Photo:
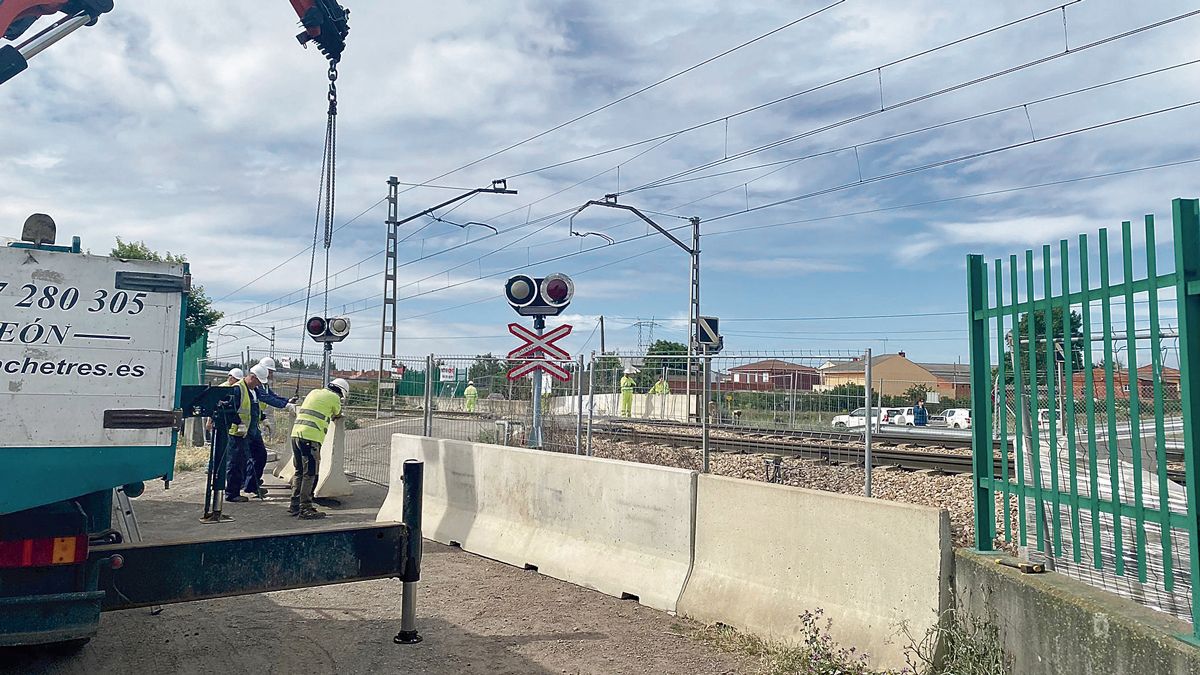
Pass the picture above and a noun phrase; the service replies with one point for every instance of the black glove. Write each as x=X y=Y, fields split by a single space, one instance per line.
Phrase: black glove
x=294 y=399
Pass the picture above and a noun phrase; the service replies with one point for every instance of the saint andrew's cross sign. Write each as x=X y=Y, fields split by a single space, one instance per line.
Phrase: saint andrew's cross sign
x=539 y=352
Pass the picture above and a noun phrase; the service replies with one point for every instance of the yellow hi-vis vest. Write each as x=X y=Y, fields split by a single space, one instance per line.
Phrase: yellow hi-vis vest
x=313 y=416
x=626 y=384
x=242 y=427
x=471 y=392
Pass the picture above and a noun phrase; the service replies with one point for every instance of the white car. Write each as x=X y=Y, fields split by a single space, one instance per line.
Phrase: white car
x=856 y=418
x=958 y=418
x=890 y=415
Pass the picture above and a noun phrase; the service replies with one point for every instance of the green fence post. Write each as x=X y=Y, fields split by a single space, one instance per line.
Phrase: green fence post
x=1186 y=221
x=981 y=430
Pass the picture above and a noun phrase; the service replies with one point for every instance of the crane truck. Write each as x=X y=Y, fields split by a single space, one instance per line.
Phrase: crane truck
x=91 y=405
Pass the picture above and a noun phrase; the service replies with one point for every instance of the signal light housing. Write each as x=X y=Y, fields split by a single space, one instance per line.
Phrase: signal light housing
x=532 y=296
x=328 y=329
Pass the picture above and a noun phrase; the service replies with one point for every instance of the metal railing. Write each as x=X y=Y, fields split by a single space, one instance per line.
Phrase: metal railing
x=1091 y=448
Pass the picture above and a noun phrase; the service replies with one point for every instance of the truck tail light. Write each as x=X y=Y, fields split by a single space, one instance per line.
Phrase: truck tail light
x=43 y=552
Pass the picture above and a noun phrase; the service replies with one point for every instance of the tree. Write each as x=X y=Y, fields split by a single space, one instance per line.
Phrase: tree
x=1039 y=342
x=656 y=361
x=917 y=392
x=200 y=313
x=488 y=372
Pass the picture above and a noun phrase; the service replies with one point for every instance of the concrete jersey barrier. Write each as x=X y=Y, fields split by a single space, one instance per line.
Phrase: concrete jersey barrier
x=767 y=553
x=621 y=528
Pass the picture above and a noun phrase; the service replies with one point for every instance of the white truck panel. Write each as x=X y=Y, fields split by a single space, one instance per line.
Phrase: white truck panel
x=72 y=345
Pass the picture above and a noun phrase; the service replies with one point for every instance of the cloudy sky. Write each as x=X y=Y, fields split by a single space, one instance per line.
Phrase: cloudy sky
x=198 y=128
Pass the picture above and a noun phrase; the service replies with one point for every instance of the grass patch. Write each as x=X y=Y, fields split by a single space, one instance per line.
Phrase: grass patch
x=190 y=458
x=813 y=653
x=969 y=646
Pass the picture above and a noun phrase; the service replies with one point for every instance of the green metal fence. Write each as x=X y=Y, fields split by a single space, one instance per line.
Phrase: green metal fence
x=1095 y=472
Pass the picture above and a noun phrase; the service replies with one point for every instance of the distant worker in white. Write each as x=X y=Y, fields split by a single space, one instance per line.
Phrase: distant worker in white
x=471 y=394
x=313 y=417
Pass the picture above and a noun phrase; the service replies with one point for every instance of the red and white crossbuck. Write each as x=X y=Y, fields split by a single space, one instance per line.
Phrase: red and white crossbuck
x=537 y=350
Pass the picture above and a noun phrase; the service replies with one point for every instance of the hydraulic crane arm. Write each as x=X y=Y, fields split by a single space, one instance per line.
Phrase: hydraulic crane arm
x=325 y=23
x=16 y=16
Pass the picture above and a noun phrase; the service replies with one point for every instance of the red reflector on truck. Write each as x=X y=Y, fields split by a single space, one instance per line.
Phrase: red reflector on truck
x=43 y=552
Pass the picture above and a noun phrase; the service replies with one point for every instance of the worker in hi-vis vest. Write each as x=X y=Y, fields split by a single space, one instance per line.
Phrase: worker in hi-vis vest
x=313 y=417
x=627 y=393
x=471 y=394
x=240 y=432
x=658 y=394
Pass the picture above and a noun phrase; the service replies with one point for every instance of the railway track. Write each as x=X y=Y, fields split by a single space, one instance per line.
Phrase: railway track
x=802 y=446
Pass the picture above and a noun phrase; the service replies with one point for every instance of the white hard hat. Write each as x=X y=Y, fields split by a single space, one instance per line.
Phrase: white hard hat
x=629 y=370
x=341 y=385
x=471 y=382
x=268 y=362
x=236 y=373
x=260 y=371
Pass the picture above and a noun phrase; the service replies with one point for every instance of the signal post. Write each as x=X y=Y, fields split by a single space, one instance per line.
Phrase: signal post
x=539 y=298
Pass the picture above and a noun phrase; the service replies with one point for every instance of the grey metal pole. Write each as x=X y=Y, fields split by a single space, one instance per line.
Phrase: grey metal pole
x=792 y=424
x=879 y=401
x=414 y=478
x=428 y=422
x=591 y=401
x=694 y=309
x=326 y=363
x=704 y=407
x=272 y=342
x=867 y=426
x=535 y=434
x=579 y=402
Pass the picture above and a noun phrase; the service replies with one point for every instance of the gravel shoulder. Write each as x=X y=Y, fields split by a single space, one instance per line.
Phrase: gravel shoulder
x=476 y=615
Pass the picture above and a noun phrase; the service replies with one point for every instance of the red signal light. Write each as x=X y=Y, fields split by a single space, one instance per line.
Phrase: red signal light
x=557 y=290
x=316 y=326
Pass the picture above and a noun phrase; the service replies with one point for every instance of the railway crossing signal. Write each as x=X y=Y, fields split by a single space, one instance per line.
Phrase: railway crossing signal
x=539 y=349
x=328 y=329
x=547 y=296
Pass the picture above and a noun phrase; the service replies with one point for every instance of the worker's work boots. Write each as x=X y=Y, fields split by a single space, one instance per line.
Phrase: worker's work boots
x=311 y=514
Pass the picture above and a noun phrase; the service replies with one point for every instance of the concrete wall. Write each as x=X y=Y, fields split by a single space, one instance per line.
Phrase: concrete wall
x=645 y=406
x=748 y=554
x=766 y=553
x=1049 y=623
x=618 y=527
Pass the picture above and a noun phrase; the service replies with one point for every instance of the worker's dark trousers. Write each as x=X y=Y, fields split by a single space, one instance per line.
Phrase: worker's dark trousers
x=238 y=452
x=256 y=462
x=305 y=457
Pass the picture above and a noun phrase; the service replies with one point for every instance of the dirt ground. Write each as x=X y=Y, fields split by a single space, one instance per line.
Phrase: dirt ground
x=476 y=615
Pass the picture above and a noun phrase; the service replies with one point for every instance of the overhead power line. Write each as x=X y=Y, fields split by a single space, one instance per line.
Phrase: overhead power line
x=806 y=91
x=918 y=99
x=850 y=214
x=640 y=90
x=955 y=160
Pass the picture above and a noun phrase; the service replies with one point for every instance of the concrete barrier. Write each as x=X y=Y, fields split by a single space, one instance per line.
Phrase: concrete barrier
x=331 y=474
x=620 y=528
x=767 y=553
x=645 y=406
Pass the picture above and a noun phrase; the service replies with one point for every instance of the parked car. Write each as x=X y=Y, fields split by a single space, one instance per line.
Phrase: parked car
x=957 y=418
x=903 y=417
x=855 y=418
x=889 y=415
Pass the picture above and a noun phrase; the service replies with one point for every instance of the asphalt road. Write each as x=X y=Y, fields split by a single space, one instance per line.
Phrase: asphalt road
x=476 y=615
